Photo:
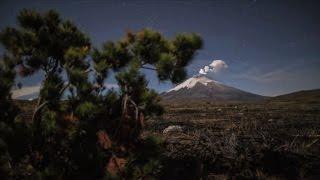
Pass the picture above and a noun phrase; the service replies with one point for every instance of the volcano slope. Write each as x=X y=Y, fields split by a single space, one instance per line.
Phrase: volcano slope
x=201 y=88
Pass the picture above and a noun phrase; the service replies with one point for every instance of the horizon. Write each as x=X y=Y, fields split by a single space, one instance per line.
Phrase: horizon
x=34 y=94
x=271 y=47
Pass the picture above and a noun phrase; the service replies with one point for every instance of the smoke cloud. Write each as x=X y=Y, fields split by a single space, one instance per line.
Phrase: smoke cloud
x=216 y=66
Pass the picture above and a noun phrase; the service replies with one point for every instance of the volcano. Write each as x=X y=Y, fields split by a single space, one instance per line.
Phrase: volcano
x=202 y=88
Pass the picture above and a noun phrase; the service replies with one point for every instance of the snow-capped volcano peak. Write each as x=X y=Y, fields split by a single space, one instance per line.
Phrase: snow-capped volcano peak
x=191 y=82
x=201 y=88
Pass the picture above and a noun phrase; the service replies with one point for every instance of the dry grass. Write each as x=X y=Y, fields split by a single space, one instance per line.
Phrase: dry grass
x=246 y=140
x=219 y=141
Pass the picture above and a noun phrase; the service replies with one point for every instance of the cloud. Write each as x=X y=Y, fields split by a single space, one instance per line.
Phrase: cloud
x=215 y=66
x=218 y=65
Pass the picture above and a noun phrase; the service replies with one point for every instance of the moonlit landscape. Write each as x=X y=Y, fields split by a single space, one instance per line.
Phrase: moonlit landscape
x=170 y=89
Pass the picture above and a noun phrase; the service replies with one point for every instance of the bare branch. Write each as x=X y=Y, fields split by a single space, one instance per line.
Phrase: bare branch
x=38 y=109
x=136 y=108
x=64 y=88
x=88 y=70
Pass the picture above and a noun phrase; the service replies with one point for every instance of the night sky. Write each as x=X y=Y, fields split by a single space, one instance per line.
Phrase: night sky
x=271 y=47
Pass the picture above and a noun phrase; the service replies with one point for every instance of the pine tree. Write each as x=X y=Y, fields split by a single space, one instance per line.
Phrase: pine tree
x=7 y=111
x=146 y=49
x=96 y=128
x=44 y=42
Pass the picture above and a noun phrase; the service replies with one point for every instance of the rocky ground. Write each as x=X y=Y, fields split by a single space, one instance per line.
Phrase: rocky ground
x=278 y=140
x=267 y=140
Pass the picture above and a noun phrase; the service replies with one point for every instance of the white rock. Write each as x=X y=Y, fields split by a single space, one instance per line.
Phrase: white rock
x=172 y=129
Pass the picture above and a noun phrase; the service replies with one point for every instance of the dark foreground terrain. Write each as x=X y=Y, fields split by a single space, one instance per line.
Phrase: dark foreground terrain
x=277 y=139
